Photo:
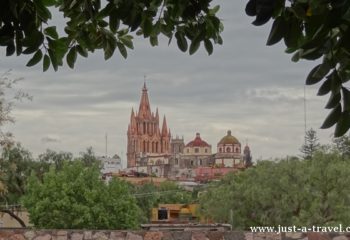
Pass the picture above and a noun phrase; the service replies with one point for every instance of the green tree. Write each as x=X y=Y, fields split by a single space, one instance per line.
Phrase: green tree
x=342 y=145
x=25 y=27
x=75 y=197
x=311 y=144
x=8 y=97
x=16 y=165
x=312 y=30
x=288 y=192
x=89 y=158
x=56 y=158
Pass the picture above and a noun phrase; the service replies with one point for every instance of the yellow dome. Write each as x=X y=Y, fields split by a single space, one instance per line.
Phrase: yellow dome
x=229 y=139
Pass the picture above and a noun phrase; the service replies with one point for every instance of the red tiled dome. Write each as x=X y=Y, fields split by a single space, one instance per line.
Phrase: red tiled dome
x=198 y=142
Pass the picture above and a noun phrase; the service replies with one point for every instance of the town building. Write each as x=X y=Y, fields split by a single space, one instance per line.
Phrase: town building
x=197 y=153
x=185 y=158
x=229 y=153
x=148 y=145
x=152 y=151
x=110 y=164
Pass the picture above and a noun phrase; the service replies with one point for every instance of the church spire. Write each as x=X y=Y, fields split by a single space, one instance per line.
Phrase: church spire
x=164 y=128
x=145 y=108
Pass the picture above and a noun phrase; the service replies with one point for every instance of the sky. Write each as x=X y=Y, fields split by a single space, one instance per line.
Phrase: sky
x=254 y=90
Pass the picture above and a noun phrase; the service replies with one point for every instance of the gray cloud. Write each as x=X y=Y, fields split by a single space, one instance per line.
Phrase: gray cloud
x=254 y=90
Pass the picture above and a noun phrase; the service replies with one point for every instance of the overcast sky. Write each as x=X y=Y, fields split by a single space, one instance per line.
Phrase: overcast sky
x=245 y=86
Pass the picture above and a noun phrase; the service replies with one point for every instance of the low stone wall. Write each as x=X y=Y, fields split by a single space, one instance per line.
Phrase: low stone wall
x=22 y=234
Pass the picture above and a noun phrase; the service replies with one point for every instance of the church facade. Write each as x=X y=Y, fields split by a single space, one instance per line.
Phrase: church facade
x=148 y=143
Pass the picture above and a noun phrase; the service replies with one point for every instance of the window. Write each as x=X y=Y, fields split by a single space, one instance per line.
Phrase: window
x=200 y=162
x=188 y=150
x=162 y=214
x=220 y=149
x=237 y=149
x=176 y=161
x=206 y=150
x=228 y=149
x=196 y=150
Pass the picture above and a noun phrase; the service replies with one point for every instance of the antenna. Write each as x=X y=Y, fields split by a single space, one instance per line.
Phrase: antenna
x=106 y=144
x=305 y=113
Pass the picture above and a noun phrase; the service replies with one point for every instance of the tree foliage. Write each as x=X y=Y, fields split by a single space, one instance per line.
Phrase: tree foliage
x=286 y=193
x=311 y=144
x=25 y=27
x=76 y=197
x=312 y=30
x=342 y=145
x=8 y=96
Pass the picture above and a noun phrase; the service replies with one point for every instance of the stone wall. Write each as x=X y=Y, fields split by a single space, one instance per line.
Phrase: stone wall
x=22 y=234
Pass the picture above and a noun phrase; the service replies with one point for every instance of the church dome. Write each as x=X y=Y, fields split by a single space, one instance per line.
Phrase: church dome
x=229 y=139
x=198 y=142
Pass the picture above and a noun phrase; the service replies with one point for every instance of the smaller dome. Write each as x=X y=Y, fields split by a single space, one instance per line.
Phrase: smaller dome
x=198 y=142
x=229 y=139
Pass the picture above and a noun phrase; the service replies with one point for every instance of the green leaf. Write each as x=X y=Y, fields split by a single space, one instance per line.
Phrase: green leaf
x=122 y=49
x=82 y=51
x=346 y=99
x=127 y=41
x=147 y=27
x=109 y=48
x=293 y=33
x=35 y=59
x=10 y=49
x=194 y=46
x=53 y=59
x=325 y=87
x=343 y=124
x=181 y=41
x=71 y=57
x=51 y=32
x=214 y=10
x=46 y=62
x=49 y=3
x=332 y=118
x=277 y=31
x=114 y=21
x=318 y=73
x=333 y=101
x=153 y=40
x=208 y=46
x=42 y=11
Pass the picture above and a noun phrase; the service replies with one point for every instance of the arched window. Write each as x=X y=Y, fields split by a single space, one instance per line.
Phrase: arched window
x=144 y=128
x=237 y=149
x=220 y=149
x=144 y=146
x=228 y=149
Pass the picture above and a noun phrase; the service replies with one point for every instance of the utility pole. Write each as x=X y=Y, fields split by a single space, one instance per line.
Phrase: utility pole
x=106 y=145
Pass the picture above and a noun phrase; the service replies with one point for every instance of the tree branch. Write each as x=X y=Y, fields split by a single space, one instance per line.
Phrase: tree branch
x=13 y=215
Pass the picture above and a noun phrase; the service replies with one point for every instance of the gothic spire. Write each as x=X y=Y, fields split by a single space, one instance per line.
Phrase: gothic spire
x=145 y=108
x=164 y=127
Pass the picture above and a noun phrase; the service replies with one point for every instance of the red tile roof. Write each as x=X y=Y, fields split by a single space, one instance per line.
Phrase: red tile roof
x=198 y=142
